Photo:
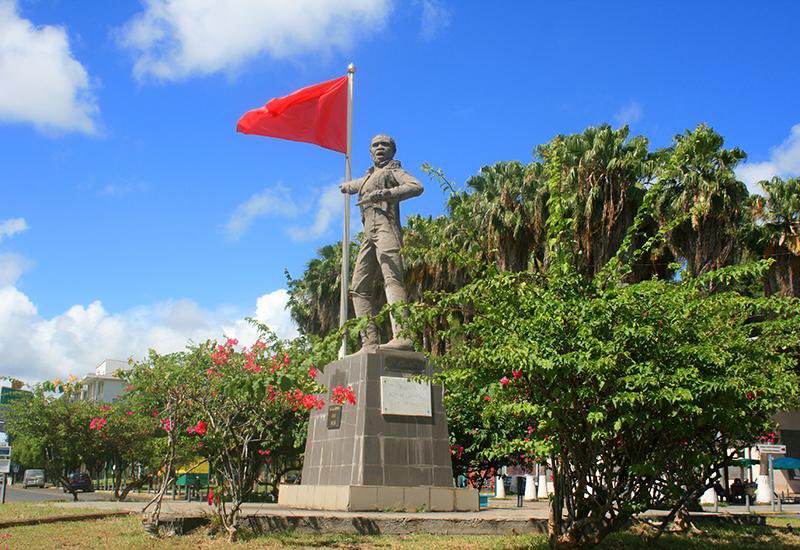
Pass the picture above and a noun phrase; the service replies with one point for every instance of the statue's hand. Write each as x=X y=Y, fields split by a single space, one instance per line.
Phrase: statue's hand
x=378 y=195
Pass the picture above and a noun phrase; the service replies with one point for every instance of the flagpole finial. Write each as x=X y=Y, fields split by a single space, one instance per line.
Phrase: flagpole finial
x=351 y=68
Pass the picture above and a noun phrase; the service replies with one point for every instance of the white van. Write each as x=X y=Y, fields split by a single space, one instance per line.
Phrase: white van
x=33 y=477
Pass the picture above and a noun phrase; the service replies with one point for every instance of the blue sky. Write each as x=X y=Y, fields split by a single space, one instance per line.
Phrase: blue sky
x=133 y=215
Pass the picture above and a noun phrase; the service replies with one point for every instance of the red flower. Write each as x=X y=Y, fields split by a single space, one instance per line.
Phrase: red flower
x=97 y=423
x=530 y=430
x=129 y=413
x=262 y=452
x=200 y=428
x=750 y=396
x=487 y=398
x=342 y=394
x=259 y=345
x=312 y=372
x=154 y=413
x=105 y=408
x=231 y=342
x=516 y=373
x=166 y=423
x=210 y=496
x=504 y=381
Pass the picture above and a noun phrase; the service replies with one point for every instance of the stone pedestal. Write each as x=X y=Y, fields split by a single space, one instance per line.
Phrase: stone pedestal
x=388 y=451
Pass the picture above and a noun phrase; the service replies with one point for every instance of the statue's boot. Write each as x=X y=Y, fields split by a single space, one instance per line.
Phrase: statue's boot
x=369 y=336
x=393 y=295
x=369 y=339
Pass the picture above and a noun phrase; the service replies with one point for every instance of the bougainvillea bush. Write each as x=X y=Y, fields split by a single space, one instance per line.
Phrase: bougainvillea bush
x=243 y=408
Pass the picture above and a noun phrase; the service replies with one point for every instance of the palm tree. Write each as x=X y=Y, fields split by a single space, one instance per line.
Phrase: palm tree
x=777 y=228
x=508 y=203
x=604 y=175
x=314 y=298
x=701 y=192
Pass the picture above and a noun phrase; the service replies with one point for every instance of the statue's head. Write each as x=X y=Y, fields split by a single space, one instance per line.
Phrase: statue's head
x=382 y=149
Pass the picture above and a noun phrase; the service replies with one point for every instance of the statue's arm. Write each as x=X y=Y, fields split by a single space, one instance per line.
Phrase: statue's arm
x=352 y=187
x=407 y=186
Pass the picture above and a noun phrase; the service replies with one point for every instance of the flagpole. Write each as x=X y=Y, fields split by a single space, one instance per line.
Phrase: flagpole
x=344 y=297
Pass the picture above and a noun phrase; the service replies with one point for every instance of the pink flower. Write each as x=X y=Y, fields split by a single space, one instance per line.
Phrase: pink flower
x=312 y=372
x=105 y=408
x=97 y=423
x=516 y=373
x=129 y=413
x=166 y=423
x=487 y=398
x=530 y=430
x=285 y=359
x=231 y=342
x=504 y=381
x=262 y=452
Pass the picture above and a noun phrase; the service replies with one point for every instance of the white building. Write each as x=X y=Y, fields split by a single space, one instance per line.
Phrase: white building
x=103 y=385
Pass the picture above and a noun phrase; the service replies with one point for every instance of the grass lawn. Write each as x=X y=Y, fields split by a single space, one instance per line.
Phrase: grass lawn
x=127 y=533
x=31 y=510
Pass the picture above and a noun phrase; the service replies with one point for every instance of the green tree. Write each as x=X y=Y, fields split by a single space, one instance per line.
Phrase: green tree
x=161 y=386
x=55 y=424
x=699 y=186
x=635 y=394
x=776 y=232
x=314 y=297
x=245 y=410
x=127 y=440
x=604 y=175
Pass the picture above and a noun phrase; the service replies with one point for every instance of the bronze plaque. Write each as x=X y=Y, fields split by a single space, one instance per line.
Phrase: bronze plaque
x=334 y=417
x=404 y=364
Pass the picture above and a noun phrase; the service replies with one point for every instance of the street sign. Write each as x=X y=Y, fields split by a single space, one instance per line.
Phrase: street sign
x=5 y=466
x=772 y=449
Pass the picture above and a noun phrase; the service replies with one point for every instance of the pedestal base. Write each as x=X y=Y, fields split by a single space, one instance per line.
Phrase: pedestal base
x=395 y=434
x=373 y=498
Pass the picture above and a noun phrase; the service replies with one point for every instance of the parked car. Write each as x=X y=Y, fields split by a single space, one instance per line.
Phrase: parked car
x=33 y=478
x=80 y=482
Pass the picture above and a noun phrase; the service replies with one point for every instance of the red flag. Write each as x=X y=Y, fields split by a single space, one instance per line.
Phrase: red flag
x=317 y=114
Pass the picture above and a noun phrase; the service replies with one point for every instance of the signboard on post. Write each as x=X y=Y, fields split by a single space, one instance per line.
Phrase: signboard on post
x=772 y=449
x=5 y=466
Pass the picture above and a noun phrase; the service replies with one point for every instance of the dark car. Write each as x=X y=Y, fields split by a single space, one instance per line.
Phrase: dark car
x=80 y=482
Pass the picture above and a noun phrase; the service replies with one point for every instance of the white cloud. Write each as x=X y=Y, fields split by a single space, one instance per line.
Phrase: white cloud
x=329 y=207
x=119 y=189
x=325 y=209
x=42 y=83
x=11 y=267
x=35 y=348
x=784 y=161
x=629 y=114
x=273 y=200
x=175 y=39
x=435 y=17
x=12 y=226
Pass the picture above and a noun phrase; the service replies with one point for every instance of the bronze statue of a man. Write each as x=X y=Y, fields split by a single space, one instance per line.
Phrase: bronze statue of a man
x=379 y=194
